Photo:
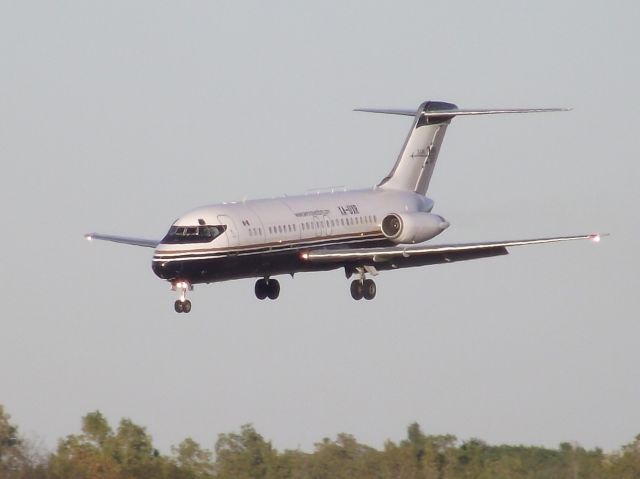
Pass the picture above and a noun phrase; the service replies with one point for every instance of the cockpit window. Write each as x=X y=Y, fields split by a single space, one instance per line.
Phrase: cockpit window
x=193 y=234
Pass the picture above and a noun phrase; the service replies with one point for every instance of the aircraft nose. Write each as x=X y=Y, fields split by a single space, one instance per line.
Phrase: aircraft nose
x=166 y=270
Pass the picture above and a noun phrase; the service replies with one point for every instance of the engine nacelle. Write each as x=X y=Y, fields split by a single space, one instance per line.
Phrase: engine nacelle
x=412 y=227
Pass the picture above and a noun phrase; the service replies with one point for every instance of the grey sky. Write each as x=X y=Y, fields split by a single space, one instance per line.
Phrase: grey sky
x=119 y=116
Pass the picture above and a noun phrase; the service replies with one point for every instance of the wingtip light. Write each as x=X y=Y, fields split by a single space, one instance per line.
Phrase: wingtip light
x=595 y=238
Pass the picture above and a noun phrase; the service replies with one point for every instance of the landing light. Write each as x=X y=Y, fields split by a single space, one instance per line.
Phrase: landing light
x=595 y=238
x=88 y=237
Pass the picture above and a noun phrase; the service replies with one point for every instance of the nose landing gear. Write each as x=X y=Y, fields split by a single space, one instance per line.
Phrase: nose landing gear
x=267 y=288
x=182 y=304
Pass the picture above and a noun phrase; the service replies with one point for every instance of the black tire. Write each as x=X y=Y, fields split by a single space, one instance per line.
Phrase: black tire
x=357 y=290
x=369 y=289
x=186 y=306
x=178 y=306
x=273 y=289
x=261 y=289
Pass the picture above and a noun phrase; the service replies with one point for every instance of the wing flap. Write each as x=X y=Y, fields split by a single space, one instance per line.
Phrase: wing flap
x=146 y=243
x=452 y=251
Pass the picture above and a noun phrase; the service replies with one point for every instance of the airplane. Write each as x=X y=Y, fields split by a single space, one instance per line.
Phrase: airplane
x=363 y=231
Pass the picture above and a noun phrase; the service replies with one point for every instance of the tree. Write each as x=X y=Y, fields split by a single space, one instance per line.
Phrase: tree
x=626 y=463
x=430 y=453
x=192 y=461
x=89 y=454
x=10 y=453
x=96 y=428
x=99 y=453
x=244 y=456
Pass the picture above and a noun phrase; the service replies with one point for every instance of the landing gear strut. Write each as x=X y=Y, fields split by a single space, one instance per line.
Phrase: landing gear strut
x=267 y=288
x=182 y=304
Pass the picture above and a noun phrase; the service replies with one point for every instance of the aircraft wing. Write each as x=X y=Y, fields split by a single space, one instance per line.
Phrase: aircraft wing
x=440 y=253
x=146 y=243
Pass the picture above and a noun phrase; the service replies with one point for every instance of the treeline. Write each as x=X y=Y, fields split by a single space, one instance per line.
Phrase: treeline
x=101 y=452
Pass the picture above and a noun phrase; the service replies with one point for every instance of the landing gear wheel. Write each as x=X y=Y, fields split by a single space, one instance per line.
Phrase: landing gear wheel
x=182 y=306
x=369 y=289
x=261 y=289
x=357 y=289
x=186 y=306
x=273 y=289
x=178 y=306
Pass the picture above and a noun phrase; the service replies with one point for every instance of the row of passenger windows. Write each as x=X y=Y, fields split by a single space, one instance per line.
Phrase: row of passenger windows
x=314 y=225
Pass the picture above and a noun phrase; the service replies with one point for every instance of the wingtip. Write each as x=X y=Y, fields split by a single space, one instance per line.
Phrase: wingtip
x=597 y=237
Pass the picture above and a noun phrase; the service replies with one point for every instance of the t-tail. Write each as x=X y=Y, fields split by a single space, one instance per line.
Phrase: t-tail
x=417 y=159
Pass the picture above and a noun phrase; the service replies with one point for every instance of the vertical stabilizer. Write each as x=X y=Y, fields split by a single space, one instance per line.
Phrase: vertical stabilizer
x=417 y=159
x=415 y=164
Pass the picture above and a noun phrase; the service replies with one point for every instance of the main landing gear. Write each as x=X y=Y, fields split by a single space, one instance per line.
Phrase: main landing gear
x=267 y=288
x=363 y=288
x=182 y=305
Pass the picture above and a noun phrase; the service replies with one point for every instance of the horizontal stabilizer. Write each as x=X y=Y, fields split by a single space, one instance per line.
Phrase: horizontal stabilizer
x=146 y=243
x=458 y=111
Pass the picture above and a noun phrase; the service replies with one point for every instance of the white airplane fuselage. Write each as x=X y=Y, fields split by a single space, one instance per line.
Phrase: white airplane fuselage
x=269 y=236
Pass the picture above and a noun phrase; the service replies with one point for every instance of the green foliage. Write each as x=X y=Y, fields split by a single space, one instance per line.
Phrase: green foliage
x=192 y=460
x=127 y=452
x=99 y=453
x=244 y=456
x=11 y=457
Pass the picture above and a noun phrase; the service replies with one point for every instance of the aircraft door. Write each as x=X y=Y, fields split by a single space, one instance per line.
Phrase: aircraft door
x=232 y=231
